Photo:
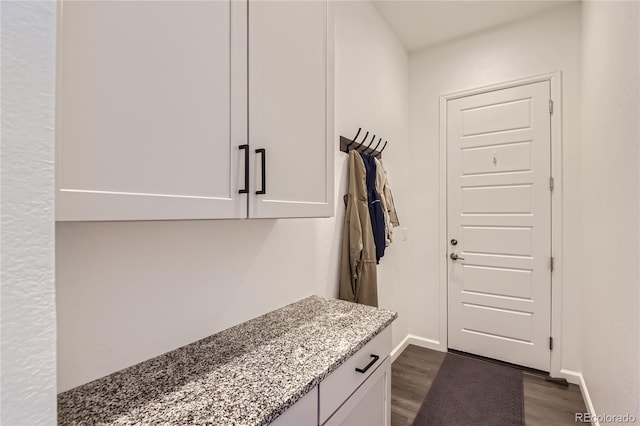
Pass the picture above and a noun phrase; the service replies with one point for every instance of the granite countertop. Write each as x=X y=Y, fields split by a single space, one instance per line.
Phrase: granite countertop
x=246 y=375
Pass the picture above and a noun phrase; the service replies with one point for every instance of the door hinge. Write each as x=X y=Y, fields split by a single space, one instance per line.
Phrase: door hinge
x=551 y=183
x=550 y=106
x=552 y=263
x=550 y=343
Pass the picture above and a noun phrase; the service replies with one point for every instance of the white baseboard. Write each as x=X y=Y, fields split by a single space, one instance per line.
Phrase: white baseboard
x=422 y=342
x=576 y=378
x=398 y=349
x=571 y=376
x=587 y=401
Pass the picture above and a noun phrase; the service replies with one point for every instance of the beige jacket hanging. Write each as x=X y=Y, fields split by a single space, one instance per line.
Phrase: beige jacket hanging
x=388 y=208
x=358 y=275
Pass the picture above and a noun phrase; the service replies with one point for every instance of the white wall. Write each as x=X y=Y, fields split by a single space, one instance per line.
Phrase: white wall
x=539 y=45
x=372 y=92
x=129 y=291
x=610 y=170
x=27 y=292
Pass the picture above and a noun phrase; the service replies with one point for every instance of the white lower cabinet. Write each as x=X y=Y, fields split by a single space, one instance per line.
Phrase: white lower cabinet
x=358 y=393
x=370 y=404
x=356 y=373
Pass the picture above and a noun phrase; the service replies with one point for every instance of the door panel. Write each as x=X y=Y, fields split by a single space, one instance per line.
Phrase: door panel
x=513 y=199
x=288 y=112
x=497 y=323
x=514 y=157
x=149 y=120
x=499 y=210
x=490 y=280
x=506 y=241
x=502 y=116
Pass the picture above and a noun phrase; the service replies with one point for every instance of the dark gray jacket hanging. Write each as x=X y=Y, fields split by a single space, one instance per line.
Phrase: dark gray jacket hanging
x=375 y=206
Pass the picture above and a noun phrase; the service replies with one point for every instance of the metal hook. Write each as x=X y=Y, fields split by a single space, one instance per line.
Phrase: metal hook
x=356 y=137
x=383 y=147
x=359 y=143
x=368 y=146
x=376 y=147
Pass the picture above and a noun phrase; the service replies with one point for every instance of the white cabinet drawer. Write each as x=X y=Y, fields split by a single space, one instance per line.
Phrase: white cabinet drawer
x=370 y=405
x=340 y=384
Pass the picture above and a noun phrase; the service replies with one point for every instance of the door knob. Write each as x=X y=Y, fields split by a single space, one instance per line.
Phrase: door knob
x=454 y=256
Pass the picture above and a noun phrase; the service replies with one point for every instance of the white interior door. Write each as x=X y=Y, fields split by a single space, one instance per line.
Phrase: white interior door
x=499 y=224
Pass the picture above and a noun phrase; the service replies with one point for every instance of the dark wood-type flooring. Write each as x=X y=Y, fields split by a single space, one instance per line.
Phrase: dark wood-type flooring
x=545 y=404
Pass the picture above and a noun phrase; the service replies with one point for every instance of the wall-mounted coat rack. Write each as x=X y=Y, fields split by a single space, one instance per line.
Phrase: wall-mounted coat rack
x=347 y=145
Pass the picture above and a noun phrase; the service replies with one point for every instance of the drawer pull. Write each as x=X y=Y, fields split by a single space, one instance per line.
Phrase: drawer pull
x=245 y=190
x=264 y=171
x=373 y=361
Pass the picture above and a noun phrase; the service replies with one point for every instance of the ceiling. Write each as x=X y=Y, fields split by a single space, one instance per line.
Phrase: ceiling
x=422 y=23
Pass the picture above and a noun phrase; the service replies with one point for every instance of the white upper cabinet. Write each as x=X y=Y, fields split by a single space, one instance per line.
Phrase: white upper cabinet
x=290 y=87
x=150 y=114
x=153 y=106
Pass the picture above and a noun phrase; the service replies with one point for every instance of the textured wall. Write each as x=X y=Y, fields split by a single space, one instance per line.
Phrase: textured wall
x=27 y=293
x=610 y=169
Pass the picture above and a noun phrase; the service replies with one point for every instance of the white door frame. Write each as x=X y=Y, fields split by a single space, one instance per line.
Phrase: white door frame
x=555 y=80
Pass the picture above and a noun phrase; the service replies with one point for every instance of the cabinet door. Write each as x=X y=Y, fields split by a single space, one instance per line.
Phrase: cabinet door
x=152 y=108
x=370 y=405
x=291 y=108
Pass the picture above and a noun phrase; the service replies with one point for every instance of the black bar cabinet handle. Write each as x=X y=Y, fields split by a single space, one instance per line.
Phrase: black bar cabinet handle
x=245 y=190
x=373 y=361
x=264 y=171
